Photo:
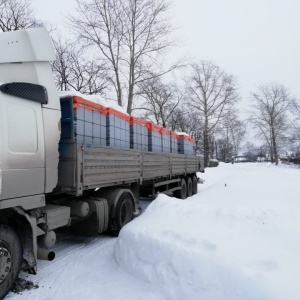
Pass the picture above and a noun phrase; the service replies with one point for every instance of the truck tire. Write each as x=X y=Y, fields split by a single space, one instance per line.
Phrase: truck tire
x=123 y=213
x=182 y=193
x=189 y=187
x=96 y=221
x=10 y=258
x=195 y=184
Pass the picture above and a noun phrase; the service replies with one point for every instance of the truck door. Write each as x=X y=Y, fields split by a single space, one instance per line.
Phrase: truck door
x=21 y=147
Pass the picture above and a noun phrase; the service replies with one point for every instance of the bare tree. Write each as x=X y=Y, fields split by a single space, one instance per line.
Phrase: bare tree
x=270 y=105
x=223 y=144
x=61 y=67
x=99 y=24
x=225 y=149
x=145 y=37
x=161 y=100
x=252 y=151
x=17 y=14
x=295 y=110
x=186 y=120
x=72 y=71
x=232 y=130
x=238 y=131
x=211 y=92
x=131 y=35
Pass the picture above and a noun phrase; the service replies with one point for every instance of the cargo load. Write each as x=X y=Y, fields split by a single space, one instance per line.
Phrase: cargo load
x=165 y=140
x=138 y=134
x=154 y=137
x=117 y=129
x=185 y=144
x=83 y=122
x=173 y=142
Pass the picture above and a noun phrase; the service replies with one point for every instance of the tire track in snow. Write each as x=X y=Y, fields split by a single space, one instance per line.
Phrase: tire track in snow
x=66 y=252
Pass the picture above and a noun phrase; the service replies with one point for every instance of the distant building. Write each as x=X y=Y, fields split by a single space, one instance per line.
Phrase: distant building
x=241 y=158
x=260 y=159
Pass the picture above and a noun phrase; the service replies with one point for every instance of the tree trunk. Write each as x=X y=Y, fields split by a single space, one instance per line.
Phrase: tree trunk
x=206 y=150
x=274 y=147
x=130 y=99
x=271 y=152
x=118 y=88
x=212 y=148
x=206 y=144
x=131 y=82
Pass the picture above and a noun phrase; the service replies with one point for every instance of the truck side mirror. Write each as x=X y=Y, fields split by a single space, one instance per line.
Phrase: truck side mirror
x=28 y=91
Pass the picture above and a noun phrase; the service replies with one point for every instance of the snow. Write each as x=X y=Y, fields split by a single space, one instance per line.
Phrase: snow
x=94 y=98
x=238 y=238
x=181 y=133
x=214 y=160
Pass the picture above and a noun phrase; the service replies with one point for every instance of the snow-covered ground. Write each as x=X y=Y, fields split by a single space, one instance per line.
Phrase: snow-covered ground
x=238 y=238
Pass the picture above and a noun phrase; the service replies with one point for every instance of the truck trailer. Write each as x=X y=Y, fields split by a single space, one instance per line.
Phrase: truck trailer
x=45 y=185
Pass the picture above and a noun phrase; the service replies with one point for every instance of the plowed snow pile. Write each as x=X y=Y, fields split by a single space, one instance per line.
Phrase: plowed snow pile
x=239 y=238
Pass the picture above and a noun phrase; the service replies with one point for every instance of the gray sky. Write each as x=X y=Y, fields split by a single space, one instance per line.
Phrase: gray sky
x=257 y=40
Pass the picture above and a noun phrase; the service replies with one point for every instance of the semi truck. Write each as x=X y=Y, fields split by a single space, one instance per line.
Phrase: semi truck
x=92 y=189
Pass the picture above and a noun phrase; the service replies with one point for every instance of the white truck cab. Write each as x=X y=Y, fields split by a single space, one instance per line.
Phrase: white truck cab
x=29 y=118
x=29 y=137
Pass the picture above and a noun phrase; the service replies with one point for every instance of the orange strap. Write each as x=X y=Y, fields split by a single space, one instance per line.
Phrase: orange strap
x=174 y=135
x=118 y=114
x=165 y=131
x=153 y=127
x=86 y=104
x=138 y=121
x=187 y=138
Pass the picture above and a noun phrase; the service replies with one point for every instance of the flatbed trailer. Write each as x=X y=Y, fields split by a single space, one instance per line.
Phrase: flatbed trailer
x=88 y=168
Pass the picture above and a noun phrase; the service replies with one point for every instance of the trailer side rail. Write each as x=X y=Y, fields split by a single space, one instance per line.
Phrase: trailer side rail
x=93 y=167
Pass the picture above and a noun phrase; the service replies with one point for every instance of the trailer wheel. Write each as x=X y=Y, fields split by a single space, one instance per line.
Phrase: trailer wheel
x=10 y=258
x=97 y=220
x=189 y=187
x=123 y=214
x=182 y=193
x=195 y=184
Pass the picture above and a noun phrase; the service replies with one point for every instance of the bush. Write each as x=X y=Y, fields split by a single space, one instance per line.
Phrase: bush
x=213 y=163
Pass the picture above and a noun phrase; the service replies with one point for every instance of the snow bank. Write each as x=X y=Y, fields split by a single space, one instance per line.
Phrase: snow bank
x=237 y=240
x=94 y=98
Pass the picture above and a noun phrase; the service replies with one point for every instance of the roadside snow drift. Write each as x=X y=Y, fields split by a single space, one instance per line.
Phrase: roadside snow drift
x=239 y=238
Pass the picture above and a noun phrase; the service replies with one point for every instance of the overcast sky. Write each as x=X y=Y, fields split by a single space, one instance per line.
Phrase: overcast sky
x=257 y=40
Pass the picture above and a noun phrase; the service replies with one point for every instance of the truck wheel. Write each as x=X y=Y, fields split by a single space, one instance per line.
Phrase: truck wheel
x=182 y=193
x=123 y=213
x=189 y=187
x=195 y=184
x=96 y=221
x=10 y=258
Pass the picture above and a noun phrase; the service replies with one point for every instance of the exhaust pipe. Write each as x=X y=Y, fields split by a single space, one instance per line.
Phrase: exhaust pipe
x=45 y=254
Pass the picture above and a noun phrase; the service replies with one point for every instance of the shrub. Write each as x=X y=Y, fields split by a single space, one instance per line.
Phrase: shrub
x=213 y=163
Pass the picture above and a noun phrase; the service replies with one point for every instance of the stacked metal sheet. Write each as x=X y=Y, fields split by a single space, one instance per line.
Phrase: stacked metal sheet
x=165 y=136
x=185 y=145
x=117 y=129
x=82 y=122
x=173 y=142
x=154 y=137
x=138 y=134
